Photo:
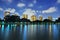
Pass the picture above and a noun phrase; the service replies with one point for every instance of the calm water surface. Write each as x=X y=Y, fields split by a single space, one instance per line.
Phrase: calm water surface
x=30 y=32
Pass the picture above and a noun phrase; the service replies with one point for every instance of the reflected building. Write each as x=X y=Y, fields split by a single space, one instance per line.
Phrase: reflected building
x=50 y=18
x=33 y=18
x=25 y=16
x=41 y=18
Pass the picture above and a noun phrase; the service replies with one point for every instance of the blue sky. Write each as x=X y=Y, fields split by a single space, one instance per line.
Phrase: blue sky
x=43 y=8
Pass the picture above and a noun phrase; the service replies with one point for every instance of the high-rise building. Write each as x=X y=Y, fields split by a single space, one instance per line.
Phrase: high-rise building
x=33 y=18
x=6 y=13
x=25 y=16
x=40 y=18
x=50 y=18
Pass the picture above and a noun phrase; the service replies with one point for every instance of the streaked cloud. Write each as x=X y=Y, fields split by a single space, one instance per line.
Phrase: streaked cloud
x=35 y=1
x=58 y=1
x=50 y=10
x=8 y=9
x=21 y=5
x=8 y=1
x=55 y=19
x=17 y=13
x=37 y=11
x=11 y=10
x=29 y=12
x=1 y=9
x=30 y=5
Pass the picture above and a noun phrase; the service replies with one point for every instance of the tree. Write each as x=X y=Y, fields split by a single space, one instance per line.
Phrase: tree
x=12 y=18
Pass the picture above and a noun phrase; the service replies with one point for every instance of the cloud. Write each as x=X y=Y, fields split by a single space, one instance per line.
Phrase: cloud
x=29 y=12
x=55 y=19
x=50 y=10
x=11 y=10
x=1 y=9
x=37 y=11
x=39 y=15
x=35 y=1
x=17 y=13
x=58 y=1
x=7 y=9
x=21 y=5
x=30 y=5
x=9 y=1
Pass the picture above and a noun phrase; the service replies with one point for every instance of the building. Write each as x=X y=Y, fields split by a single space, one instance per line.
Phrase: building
x=50 y=18
x=40 y=18
x=6 y=13
x=33 y=18
x=25 y=16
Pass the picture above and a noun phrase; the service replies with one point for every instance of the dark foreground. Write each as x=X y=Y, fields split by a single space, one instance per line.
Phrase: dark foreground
x=30 y=32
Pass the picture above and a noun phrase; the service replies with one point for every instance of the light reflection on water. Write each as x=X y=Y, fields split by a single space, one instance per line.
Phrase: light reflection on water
x=25 y=33
x=30 y=32
x=2 y=28
x=55 y=32
x=7 y=32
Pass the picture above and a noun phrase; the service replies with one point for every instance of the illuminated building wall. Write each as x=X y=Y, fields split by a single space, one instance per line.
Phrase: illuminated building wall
x=41 y=18
x=6 y=13
x=25 y=16
x=33 y=18
x=49 y=17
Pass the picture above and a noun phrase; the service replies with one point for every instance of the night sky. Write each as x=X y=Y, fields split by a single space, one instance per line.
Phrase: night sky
x=43 y=8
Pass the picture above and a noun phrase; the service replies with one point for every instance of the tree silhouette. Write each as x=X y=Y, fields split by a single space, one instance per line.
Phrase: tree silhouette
x=47 y=20
x=12 y=18
x=0 y=20
x=58 y=20
x=24 y=20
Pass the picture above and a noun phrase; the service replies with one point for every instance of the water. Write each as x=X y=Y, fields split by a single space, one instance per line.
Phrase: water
x=30 y=32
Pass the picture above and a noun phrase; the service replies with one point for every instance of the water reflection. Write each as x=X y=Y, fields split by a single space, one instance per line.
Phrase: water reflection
x=2 y=28
x=6 y=32
x=55 y=32
x=25 y=33
x=30 y=32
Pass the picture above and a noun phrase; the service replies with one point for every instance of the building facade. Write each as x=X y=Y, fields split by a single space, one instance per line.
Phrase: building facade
x=40 y=18
x=50 y=18
x=33 y=18
x=25 y=16
x=6 y=13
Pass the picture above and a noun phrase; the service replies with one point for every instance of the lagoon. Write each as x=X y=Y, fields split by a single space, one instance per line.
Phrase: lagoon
x=30 y=32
